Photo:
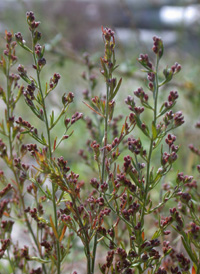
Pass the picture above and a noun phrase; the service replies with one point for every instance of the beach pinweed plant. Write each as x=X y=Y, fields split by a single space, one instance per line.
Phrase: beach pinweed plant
x=111 y=214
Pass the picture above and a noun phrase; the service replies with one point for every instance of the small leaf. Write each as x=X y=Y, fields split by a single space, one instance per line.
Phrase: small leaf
x=39 y=260
x=26 y=48
x=151 y=175
x=43 y=50
x=135 y=180
x=15 y=131
x=25 y=78
x=4 y=65
x=54 y=145
x=25 y=131
x=168 y=251
x=115 y=67
x=93 y=110
x=54 y=229
x=46 y=89
x=3 y=95
x=51 y=118
x=162 y=107
x=122 y=245
x=193 y=270
x=34 y=110
x=116 y=89
x=48 y=195
x=14 y=182
x=136 y=264
x=123 y=127
x=42 y=220
x=156 y=234
x=43 y=139
x=139 y=124
x=39 y=100
x=48 y=191
x=143 y=235
x=63 y=233
x=188 y=249
x=154 y=131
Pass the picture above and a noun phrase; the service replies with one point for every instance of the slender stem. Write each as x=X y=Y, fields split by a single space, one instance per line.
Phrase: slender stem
x=9 y=113
x=10 y=261
x=105 y=135
x=56 y=121
x=50 y=156
x=156 y=91
x=155 y=96
x=86 y=244
x=116 y=212
x=103 y=166
x=26 y=218
x=8 y=108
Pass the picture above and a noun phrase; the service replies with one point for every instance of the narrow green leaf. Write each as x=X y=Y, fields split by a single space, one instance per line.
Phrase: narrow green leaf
x=156 y=234
x=135 y=180
x=4 y=65
x=145 y=104
x=38 y=139
x=116 y=90
x=26 y=48
x=151 y=176
x=48 y=191
x=39 y=98
x=43 y=139
x=34 y=110
x=139 y=124
x=115 y=67
x=25 y=131
x=122 y=245
x=43 y=50
x=154 y=131
x=162 y=107
x=15 y=131
x=188 y=249
x=136 y=264
x=165 y=110
x=157 y=178
x=39 y=260
x=48 y=195
x=25 y=78
x=51 y=118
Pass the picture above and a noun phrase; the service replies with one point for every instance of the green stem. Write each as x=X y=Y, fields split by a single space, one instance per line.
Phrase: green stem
x=26 y=218
x=156 y=91
x=8 y=108
x=155 y=96
x=10 y=261
x=50 y=156
x=105 y=135
x=103 y=167
x=86 y=243
x=56 y=121
x=9 y=113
